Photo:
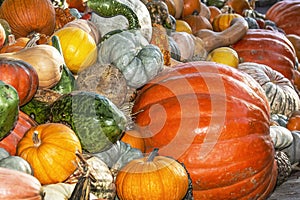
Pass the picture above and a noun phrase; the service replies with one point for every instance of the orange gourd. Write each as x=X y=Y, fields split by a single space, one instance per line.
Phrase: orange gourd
x=190 y=7
x=190 y=113
x=51 y=150
x=14 y=44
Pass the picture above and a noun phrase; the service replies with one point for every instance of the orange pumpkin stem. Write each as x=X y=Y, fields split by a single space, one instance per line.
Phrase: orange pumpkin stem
x=35 y=139
x=152 y=155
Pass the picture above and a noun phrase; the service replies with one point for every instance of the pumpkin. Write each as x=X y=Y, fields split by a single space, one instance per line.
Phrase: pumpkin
x=22 y=76
x=184 y=112
x=14 y=44
x=2 y=36
x=281 y=137
x=293 y=123
x=9 y=107
x=222 y=21
x=190 y=47
x=280 y=92
x=80 y=5
x=239 y=5
x=50 y=150
x=295 y=40
x=286 y=15
x=138 y=60
x=132 y=182
x=134 y=139
x=268 y=47
x=224 y=55
x=214 y=11
x=217 y=3
x=10 y=142
x=21 y=17
x=45 y=59
x=190 y=7
x=19 y=185
x=197 y=22
x=78 y=48
x=88 y=26
x=15 y=163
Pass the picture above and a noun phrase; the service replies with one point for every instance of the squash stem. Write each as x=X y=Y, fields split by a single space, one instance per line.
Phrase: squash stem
x=35 y=139
x=152 y=155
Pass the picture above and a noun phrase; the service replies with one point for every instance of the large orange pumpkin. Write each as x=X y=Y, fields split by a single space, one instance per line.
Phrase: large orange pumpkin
x=215 y=120
x=286 y=15
x=268 y=47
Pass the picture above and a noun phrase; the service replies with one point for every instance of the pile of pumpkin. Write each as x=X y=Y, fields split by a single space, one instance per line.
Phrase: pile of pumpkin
x=147 y=99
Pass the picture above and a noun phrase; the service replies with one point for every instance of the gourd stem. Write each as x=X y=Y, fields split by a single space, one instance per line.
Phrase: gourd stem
x=35 y=138
x=152 y=155
x=32 y=42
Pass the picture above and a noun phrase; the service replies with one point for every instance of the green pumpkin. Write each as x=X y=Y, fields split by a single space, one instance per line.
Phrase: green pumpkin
x=218 y=3
x=37 y=110
x=9 y=108
x=97 y=122
x=132 y=54
x=16 y=163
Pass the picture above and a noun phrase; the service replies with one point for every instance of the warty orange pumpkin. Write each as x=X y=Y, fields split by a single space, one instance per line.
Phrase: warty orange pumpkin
x=215 y=120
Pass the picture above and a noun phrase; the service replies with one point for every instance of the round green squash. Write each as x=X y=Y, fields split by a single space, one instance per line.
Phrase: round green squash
x=9 y=108
x=97 y=122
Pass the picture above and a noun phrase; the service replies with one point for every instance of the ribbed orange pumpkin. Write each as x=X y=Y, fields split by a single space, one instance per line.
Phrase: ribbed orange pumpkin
x=51 y=150
x=28 y=16
x=21 y=75
x=268 y=47
x=10 y=142
x=286 y=15
x=222 y=21
x=215 y=120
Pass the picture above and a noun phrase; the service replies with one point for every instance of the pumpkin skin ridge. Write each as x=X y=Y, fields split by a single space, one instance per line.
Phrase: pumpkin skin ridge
x=254 y=192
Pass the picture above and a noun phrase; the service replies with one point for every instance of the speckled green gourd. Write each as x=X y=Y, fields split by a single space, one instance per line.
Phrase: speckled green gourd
x=9 y=108
x=97 y=122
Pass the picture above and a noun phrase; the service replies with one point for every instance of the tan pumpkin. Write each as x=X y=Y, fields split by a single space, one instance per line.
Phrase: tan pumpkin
x=295 y=40
x=45 y=59
x=51 y=150
x=26 y=17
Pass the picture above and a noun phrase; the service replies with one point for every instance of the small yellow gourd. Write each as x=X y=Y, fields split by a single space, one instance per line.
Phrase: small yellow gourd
x=224 y=55
x=78 y=47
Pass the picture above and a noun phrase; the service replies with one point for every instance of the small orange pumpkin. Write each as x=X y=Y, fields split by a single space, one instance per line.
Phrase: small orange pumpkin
x=190 y=7
x=167 y=177
x=198 y=22
x=51 y=150
x=293 y=123
x=14 y=44
x=222 y=21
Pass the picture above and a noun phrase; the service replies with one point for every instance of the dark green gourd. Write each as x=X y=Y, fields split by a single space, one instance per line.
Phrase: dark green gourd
x=97 y=122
